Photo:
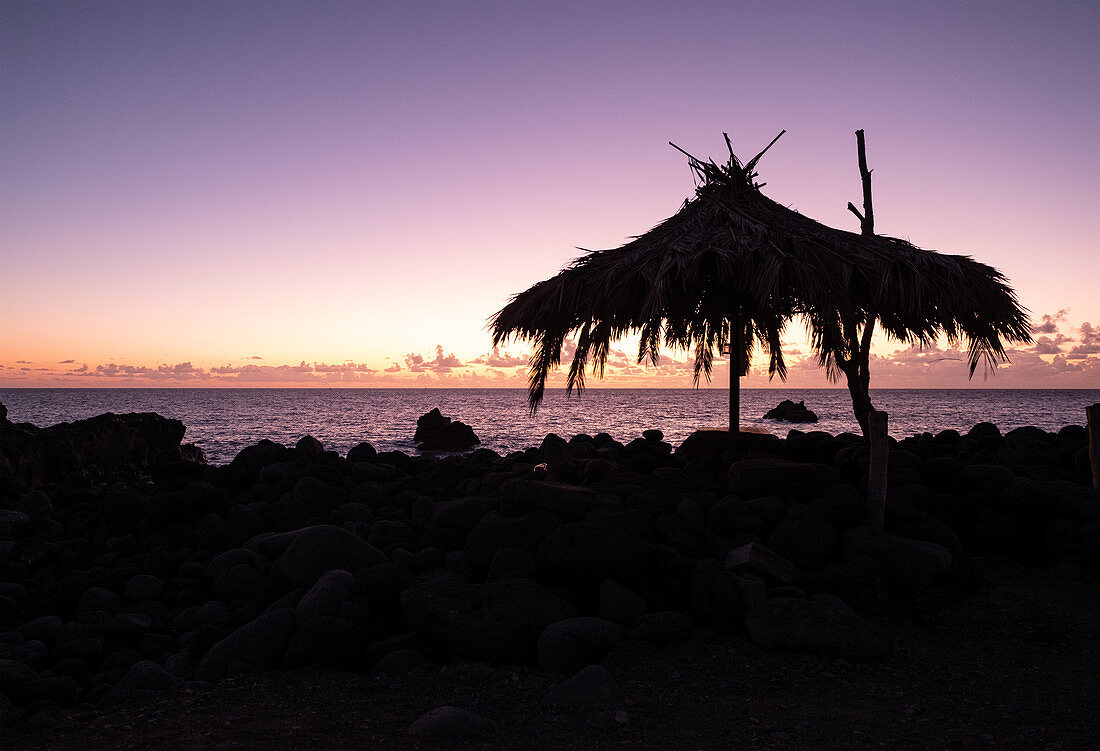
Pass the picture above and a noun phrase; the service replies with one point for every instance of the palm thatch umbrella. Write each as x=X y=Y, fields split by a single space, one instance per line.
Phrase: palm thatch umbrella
x=732 y=267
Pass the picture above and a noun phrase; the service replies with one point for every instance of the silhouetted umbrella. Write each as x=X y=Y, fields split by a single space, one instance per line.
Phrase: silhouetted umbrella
x=732 y=267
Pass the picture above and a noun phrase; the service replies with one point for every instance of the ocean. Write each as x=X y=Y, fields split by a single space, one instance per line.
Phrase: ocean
x=223 y=421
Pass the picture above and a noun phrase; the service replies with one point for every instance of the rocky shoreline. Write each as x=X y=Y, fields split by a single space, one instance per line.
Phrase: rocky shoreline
x=160 y=574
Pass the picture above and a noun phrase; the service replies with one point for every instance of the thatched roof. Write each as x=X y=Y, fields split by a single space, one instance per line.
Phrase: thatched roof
x=731 y=252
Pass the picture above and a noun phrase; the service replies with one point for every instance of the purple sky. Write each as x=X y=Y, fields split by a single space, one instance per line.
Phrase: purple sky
x=256 y=185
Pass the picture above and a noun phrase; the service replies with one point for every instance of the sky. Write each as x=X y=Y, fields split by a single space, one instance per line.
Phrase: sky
x=343 y=193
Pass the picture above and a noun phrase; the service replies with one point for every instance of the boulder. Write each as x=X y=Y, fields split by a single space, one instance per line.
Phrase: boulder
x=326 y=597
x=105 y=448
x=592 y=686
x=862 y=582
x=804 y=537
x=569 y=645
x=911 y=564
x=619 y=604
x=498 y=622
x=495 y=532
x=309 y=447
x=754 y=558
x=567 y=502
x=751 y=478
x=258 y=645
x=813 y=626
x=444 y=724
x=321 y=548
x=788 y=411
x=661 y=628
x=326 y=641
x=436 y=432
x=586 y=550
x=715 y=597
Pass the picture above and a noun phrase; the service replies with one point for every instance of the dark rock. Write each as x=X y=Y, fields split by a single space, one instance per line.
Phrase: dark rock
x=842 y=505
x=240 y=582
x=362 y=452
x=495 y=532
x=862 y=583
x=752 y=478
x=325 y=597
x=661 y=628
x=788 y=411
x=1072 y=540
x=143 y=587
x=499 y=622
x=45 y=629
x=326 y=641
x=732 y=516
x=512 y=563
x=106 y=448
x=436 y=432
x=586 y=550
x=321 y=548
x=569 y=645
x=258 y=645
x=1054 y=498
x=911 y=564
x=619 y=604
x=309 y=447
x=567 y=502
x=986 y=478
x=756 y=559
x=592 y=686
x=398 y=663
x=812 y=626
x=715 y=598
x=804 y=537
x=444 y=724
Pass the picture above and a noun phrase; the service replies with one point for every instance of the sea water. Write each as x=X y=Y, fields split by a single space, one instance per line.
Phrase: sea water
x=223 y=421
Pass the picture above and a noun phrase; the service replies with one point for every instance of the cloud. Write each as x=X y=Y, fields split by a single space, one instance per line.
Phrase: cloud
x=24 y=362
x=1044 y=345
x=496 y=359
x=66 y=362
x=253 y=357
x=345 y=367
x=440 y=364
x=1090 y=342
x=1050 y=322
x=395 y=368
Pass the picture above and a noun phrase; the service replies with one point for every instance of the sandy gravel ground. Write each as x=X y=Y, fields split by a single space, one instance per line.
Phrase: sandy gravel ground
x=1013 y=666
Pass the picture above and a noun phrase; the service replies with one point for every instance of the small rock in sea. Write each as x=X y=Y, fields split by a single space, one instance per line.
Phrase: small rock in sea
x=436 y=432
x=788 y=411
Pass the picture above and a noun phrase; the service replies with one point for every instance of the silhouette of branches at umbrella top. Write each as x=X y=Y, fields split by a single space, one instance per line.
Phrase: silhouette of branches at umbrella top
x=733 y=260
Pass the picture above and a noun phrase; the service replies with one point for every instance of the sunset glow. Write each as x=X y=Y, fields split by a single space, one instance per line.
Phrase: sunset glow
x=341 y=194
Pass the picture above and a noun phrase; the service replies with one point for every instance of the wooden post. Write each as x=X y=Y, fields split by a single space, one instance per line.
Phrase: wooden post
x=1092 y=414
x=736 y=345
x=877 y=472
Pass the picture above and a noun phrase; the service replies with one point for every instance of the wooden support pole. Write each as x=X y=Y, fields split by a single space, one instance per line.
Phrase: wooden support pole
x=877 y=472
x=1093 y=416
x=736 y=345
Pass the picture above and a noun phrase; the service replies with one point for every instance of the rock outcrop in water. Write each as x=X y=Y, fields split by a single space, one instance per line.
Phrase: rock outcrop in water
x=105 y=448
x=788 y=411
x=434 y=432
x=297 y=556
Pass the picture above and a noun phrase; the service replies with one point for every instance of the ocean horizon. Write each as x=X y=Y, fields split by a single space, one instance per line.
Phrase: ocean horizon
x=222 y=421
